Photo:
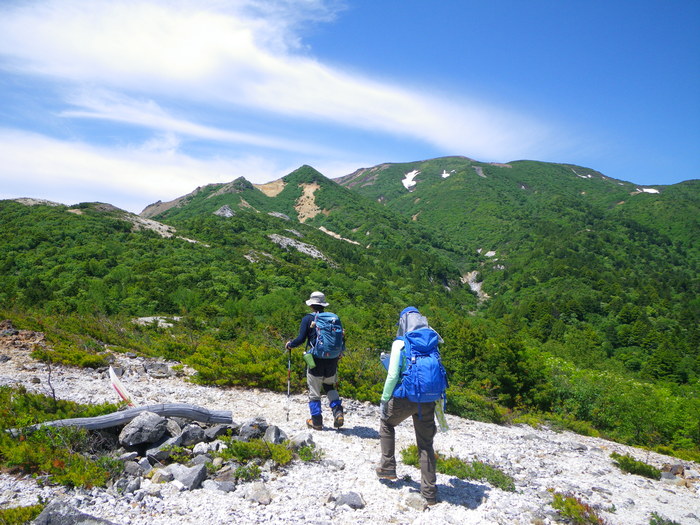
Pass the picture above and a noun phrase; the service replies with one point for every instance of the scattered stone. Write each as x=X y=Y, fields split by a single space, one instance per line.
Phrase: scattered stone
x=190 y=477
x=145 y=465
x=203 y=448
x=220 y=430
x=201 y=459
x=273 y=434
x=333 y=464
x=304 y=439
x=258 y=492
x=174 y=429
x=191 y=435
x=62 y=513
x=351 y=499
x=253 y=429
x=162 y=475
x=147 y=427
x=132 y=468
x=158 y=370
x=164 y=450
x=128 y=456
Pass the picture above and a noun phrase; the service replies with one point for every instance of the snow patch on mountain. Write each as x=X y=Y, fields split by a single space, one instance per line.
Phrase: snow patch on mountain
x=408 y=180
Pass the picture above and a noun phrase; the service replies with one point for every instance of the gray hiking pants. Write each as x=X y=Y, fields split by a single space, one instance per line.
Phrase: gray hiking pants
x=322 y=379
x=425 y=429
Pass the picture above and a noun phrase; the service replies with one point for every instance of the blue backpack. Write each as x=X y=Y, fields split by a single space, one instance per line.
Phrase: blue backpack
x=330 y=340
x=423 y=377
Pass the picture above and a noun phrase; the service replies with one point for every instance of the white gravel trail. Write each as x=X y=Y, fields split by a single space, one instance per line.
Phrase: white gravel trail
x=540 y=460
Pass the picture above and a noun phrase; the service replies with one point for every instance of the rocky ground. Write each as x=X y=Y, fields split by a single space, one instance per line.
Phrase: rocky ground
x=343 y=488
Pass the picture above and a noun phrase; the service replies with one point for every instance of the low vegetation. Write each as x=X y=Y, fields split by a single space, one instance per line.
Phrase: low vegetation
x=65 y=455
x=627 y=463
x=454 y=466
x=20 y=515
x=576 y=511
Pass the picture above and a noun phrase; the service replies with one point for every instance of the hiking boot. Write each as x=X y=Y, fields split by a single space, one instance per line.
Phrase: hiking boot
x=315 y=422
x=385 y=473
x=338 y=417
x=429 y=502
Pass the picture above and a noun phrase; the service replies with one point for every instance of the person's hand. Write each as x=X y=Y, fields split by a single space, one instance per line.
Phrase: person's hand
x=384 y=409
x=287 y=346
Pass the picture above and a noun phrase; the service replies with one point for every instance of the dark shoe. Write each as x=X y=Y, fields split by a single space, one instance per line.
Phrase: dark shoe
x=338 y=420
x=316 y=425
x=431 y=502
x=385 y=474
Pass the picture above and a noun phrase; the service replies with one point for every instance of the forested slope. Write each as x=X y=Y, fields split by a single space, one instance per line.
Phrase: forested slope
x=591 y=323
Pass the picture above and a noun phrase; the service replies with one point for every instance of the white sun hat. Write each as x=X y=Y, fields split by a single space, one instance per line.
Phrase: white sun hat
x=317 y=298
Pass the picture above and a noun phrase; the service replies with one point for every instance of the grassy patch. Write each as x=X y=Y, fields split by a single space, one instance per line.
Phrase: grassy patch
x=453 y=466
x=244 y=451
x=19 y=515
x=657 y=519
x=627 y=463
x=310 y=453
x=576 y=511
x=65 y=454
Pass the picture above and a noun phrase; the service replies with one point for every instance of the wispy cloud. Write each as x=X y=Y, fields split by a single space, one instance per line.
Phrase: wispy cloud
x=105 y=105
x=129 y=177
x=235 y=56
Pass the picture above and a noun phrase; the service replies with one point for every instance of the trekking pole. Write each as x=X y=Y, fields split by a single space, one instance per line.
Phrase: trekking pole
x=289 y=377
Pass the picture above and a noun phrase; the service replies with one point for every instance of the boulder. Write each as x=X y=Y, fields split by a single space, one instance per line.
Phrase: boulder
x=190 y=477
x=253 y=429
x=216 y=431
x=163 y=450
x=191 y=435
x=158 y=370
x=351 y=499
x=273 y=434
x=147 y=427
x=304 y=439
x=258 y=492
x=61 y=513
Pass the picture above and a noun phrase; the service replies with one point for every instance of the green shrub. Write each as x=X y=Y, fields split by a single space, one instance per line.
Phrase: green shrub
x=244 y=451
x=688 y=455
x=627 y=463
x=568 y=422
x=575 y=510
x=310 y=453
x=453 y=466
x=20 y=515
x=247 y=472
x=468 y=404
x=657 y=519
x=61 y=453
x=53 y=453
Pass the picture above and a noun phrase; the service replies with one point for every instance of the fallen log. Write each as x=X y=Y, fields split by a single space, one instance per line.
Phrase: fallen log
x=193 y=412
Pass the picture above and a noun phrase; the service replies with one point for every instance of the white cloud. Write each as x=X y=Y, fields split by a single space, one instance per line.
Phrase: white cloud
x=240 y=55
x=130 y=178
x=105 y=105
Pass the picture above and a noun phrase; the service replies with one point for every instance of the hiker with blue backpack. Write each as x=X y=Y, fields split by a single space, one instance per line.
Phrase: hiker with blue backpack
x=416 y=381
x=325 y=343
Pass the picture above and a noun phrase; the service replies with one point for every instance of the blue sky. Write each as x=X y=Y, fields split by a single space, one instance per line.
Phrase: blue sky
x=129 y=101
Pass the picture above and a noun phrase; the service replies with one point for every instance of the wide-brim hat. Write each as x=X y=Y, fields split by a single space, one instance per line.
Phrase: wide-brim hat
x=317 y=298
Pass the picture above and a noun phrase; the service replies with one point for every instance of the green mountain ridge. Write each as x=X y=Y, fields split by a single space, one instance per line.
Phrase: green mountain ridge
x=592 y=283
